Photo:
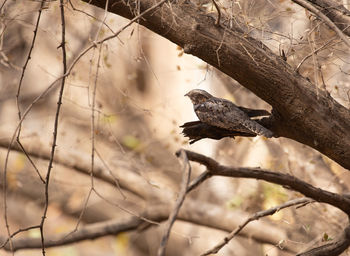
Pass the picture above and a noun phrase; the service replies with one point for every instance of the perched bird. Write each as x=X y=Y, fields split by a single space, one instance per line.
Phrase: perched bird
x=224 y=114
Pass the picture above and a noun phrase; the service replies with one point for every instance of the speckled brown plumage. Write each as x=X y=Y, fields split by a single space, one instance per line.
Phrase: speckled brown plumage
x=224 y=114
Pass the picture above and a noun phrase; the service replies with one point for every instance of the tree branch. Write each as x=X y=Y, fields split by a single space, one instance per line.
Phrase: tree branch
x=291 y=182
x=92 y=231
x=302 y=112
x=256 y=216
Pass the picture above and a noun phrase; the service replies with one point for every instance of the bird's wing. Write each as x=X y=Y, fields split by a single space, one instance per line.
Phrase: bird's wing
x=255 y=112
x=221 y=113
x=224 y=114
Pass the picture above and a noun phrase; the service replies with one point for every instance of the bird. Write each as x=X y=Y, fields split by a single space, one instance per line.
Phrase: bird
x=224 y=114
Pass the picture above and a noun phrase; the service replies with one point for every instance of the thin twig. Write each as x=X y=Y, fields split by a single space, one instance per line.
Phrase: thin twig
x=116 y=180
x=323 y=17
x=75 y=61
x=24 y=151
x=256 y=216
x=181 y=197
x=2 y=5
x=245 y=49
x=59 y=104
x=312 y=53
x=92 y=164
x=19 y=87
x=199 y=180
x=92 y=132
x=217 y=22
x=17 y=232
x=80 y=215
x=91 y=16
x=18 y=131
x=315 y=62
x=130 y=212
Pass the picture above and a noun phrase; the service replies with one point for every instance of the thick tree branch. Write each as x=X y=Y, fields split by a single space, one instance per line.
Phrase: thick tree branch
x=302 y=111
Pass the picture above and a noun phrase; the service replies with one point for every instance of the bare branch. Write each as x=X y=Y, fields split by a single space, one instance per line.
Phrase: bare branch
x=14 y=234
x=19 y=87
x=312 y=53
x=291 y=182
x=55 y=130
x=91 y=16
x=92 y=231
x=19 y=114
x=256 y=216
x=199 y=180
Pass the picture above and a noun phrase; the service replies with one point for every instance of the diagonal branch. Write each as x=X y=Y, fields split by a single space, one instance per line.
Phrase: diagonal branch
x=256 y=216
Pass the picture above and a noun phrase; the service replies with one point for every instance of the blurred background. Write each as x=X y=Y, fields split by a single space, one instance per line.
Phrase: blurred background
x=140 y=80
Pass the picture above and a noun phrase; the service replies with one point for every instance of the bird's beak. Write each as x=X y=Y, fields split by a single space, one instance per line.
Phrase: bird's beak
x=186 y=94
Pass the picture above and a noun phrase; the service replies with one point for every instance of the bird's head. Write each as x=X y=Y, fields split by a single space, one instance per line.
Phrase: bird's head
x=198 y=96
